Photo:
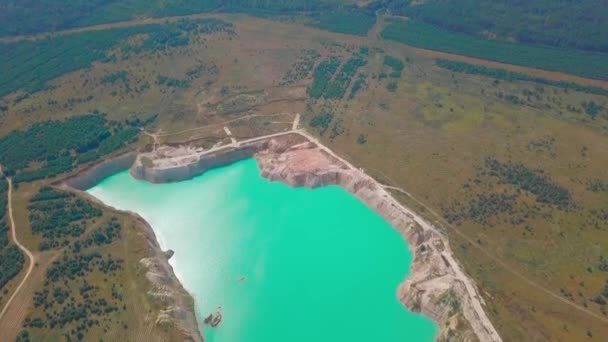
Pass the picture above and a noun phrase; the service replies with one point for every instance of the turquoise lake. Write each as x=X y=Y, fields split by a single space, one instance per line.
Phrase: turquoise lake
x=284 y=264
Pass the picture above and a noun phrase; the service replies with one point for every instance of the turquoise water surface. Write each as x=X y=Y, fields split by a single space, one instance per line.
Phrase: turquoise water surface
x=284 y=264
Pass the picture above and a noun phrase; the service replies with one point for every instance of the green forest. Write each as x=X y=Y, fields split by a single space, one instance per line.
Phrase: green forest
x=420 y=34
x=332 y=77
x=567 y=24
x=57 y=146
x=357 y=22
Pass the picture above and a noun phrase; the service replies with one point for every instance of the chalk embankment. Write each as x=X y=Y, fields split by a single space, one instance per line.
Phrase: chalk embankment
x=96 y=173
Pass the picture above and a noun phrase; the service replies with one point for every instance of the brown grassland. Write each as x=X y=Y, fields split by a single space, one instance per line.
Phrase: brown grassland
x=430 y=135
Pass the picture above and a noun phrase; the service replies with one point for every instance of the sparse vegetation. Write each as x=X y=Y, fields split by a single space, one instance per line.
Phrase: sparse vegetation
x=29 y=65
x=302 y=68
x=59 y=217
x=70 y=299
x=450 y=299
x=115 y=77
x=545 y=190
x=482 y=208
x=597 y=185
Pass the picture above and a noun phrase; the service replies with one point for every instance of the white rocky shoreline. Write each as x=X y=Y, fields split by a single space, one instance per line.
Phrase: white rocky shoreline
x=435 y=287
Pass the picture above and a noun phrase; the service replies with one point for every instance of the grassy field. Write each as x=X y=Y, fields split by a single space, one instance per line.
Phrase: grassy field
x=424 y=128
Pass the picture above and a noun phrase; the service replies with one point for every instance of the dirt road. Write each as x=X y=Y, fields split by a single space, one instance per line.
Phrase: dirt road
x=30 y=256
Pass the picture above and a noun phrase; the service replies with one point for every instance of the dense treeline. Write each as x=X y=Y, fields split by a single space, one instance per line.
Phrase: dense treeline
x=29 y=65
x=337 y=88
x=356 y=22
x=420 y=34
x=394 y=63
x=568 y=24
x=545 y=190
x=56 y=146
x=321 y=121
x=332 y=78
x=502 y=74
x=11 y=263
x=322 y=76
x=58 y=217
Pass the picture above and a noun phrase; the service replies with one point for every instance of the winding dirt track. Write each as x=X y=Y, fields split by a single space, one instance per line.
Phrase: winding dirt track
x=27 y=252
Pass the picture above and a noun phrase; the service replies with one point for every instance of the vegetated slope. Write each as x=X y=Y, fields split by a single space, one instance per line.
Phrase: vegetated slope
x=421 y=34
x=95 y=288
x=567 y=24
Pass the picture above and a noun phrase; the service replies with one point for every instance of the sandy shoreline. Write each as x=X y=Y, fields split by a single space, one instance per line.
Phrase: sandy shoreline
x=298 y=159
